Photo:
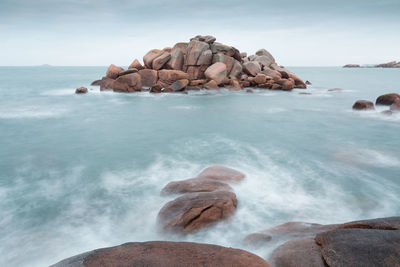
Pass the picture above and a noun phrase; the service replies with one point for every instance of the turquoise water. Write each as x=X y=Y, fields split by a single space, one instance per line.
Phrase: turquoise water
x=79 y=172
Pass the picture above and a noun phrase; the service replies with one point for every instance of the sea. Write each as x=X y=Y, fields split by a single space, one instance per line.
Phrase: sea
x=81 y=172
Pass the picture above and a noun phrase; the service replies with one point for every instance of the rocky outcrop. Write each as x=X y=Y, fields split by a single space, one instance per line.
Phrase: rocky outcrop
x=166 y=254
x=373 y=242
x=206 y=199
x=363 y=105
x=81 y=90
x=351 y=66
x=204 y=59
x=106 y=83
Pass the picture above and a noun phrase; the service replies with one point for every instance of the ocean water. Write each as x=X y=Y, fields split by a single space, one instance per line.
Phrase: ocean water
x=80 y=172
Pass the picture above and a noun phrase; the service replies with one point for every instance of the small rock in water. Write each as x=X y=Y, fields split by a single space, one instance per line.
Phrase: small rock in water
x=363 y=105
x=308 y=83
x=81 y=90
x=335 y=90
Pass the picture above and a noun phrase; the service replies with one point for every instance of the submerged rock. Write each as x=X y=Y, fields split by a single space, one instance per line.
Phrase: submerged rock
x=222 y=173
x=194 y=211
x=351 y=66
x=195 y=185
x=166 y=254
x=81 y=90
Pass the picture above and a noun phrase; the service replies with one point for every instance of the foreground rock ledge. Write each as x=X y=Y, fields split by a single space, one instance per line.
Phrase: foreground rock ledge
x=166 y=254
x=200 y=63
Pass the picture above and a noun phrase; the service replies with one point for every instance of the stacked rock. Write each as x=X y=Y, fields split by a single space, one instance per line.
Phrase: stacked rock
x=200 y=63
x=206 y=199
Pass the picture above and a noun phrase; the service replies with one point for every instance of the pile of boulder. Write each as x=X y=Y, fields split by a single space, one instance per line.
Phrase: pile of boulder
x=201 y=63
x=392 y=100
x=373 y=242
x=205 y=199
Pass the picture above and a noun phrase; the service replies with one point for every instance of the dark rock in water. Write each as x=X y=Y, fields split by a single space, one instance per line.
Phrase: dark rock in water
x=106 y=83
x=360 y=247
x=148 y=77
x=96 y=83
x=302 y=252
x=304 y=93
x=335 y=90
x=127 y=83
x=194 y=185
x=128 y=71
x=81 y=90
x=392 y=64
x=308 y=83
x=194 y=211
x=395 y=106
x=363 y=105
x=249 y=91
x=387 y=99
x=179 y=85
x=351 y=66
x=157 y=88
x=222 y=173
x=113 y=71
x=165 y=254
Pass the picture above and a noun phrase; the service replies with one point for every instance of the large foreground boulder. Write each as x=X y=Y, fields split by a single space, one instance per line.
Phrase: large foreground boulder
x=387 y=99
x=194 y=211
x=165 y=254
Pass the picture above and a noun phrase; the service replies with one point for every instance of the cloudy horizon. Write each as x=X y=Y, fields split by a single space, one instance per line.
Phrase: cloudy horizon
x=97 y=33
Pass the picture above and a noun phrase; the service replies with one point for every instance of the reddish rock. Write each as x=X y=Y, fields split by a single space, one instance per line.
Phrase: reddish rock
x=196 y=72
x=177 y=58
x=211 y=85
x=251 y=68
x=222 y=173
x=260 y=78
x=207 y=38
x=388 y=223
x=113 y=71
x=106 y=83
x=96 y=83
x=234 y=85
x=195 y=185
x=205 y=58
x=194 y=211
x=363 y=105
x=216 y=72
x=179 y=85
x=129 y=71
x=298 y=83
x=197 y=82
x=167 y=49
x=297 y=253
x=265 y=61
x=392 y=64
x=222 y=48
x=387 y=99
x=157 y=88
x=165 y=254
x=148 y=77
x=276 y=86
x=161 y=60
x=244 y=84
x=168 y=77
x=194 y=51
x=182 y=45
x=127 y=83
x=360 y=247
x=81 y=90
x=150 y=56
x=136 y=65
x=275 y=75
x=286 y=84
x=227 y=60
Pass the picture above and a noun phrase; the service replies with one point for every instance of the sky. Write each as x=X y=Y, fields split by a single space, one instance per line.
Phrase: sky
x=101 y=32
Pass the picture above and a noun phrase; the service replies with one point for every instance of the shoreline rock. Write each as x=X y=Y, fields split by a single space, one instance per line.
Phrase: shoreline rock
x=202 y=59
x=166 y=254
x=392 y=64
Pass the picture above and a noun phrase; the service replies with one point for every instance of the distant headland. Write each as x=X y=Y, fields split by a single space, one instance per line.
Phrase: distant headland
x=391 y=64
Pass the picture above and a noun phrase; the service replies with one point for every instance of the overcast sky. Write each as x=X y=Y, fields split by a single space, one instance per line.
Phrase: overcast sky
x=100 y=32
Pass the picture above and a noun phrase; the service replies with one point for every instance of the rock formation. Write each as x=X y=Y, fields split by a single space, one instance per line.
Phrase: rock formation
x=373 y=242
x=166 y=254
x=204 y=63
x=206 y=199
x=81 y=90
x=363 y=105
x=391 y=99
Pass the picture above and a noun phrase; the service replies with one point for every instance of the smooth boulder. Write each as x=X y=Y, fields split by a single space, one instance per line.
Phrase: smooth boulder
x=363 y=105
x=81 y=90
x=165 y=254
x=150 y=56
x=216 y=72
x=222 y=173
x=127 y=83
x=387 y=99
x=136 y=65
x=194 y=211
x=194 y=185
x=148 y=77
x=251 y=68
x=113 y=71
